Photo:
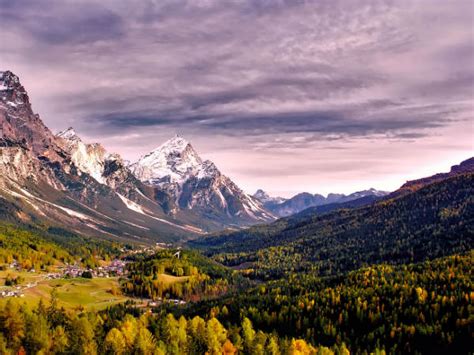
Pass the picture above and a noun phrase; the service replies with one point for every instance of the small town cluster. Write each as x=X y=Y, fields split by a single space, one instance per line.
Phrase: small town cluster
x=116 y=268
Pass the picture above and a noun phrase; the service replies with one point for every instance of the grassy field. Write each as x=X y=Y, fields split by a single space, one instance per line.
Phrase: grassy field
x=75 y=293
x=78 y=293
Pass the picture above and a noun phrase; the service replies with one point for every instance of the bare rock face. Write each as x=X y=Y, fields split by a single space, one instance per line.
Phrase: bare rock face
x=88 y=158
x=62 y=181
x=19 y=125
x=106 y=168
x=20 y=165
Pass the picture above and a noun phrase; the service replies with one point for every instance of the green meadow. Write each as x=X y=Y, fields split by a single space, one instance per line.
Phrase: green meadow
x=79 y=293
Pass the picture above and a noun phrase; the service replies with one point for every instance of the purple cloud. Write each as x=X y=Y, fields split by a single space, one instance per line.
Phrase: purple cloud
x=380 y=86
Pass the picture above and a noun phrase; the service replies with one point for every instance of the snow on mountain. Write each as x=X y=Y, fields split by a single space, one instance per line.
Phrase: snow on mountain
x=80 y=187
x=69 y=134
x=172 y=162
x=197 y=184
x=9 y=82
x=369 y=192
x=89 y=158
x=19 y=125
x=106 y=168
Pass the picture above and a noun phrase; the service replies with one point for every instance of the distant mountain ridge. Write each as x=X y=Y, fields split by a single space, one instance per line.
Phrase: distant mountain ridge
x=287 y=207
x=265 y=198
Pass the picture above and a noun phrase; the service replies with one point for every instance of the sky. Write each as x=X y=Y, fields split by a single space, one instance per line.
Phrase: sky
x=287 y=96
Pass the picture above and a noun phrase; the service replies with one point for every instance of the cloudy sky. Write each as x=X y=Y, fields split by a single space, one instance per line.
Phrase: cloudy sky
x=320 y=96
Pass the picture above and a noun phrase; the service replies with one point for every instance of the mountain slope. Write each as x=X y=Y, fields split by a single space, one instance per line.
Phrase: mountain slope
x=268 y=201
x=433 y=221
x=198 y=185
x=19 y=126
x=466 y=166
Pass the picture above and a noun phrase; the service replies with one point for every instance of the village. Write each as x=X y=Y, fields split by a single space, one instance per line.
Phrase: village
x=116 y=268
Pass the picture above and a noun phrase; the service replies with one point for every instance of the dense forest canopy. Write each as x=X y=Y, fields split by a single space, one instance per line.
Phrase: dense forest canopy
x=424 y=307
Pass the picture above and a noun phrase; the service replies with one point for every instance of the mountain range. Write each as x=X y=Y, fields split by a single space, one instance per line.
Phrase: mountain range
x=282 y=207
x=62 y=182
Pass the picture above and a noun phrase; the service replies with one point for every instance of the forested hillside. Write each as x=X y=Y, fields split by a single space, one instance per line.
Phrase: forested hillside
x=34 y=248
x=184 y=275
x=392 y=277
x=431 y=222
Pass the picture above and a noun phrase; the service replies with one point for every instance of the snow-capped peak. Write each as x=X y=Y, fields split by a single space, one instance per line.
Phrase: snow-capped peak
x=196 y=184
x=207 y=170
x=177 y=143
x=11 y=91
x=171 y=162
x=369 y=192
x=69 y=134
x=265 y=198
x=171 y=147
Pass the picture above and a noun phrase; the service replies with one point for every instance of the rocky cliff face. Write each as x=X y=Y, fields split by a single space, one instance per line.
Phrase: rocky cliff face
x=19 y=125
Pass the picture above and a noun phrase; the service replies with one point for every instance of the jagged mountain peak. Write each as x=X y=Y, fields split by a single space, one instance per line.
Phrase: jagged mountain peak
x=89 y=158
x=196 y=184
x=177 y=142
x=208 y=169
x=266 y=199
x=174 y=145
x=63 y=180
x=69 y=134
x=9 y=80
x=19 y=125
x=305 y=200
x=12 y=92
x=171 y=162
